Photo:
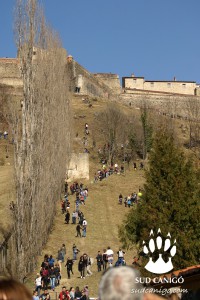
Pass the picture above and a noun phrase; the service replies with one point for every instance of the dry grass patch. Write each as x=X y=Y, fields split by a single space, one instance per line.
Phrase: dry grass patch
x=103 y=214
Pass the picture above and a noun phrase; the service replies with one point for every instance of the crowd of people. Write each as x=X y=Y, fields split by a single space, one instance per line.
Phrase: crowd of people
x=51 y=270
x=131 y=199
x=115 y=284
x=77 y=217
x=106 y=171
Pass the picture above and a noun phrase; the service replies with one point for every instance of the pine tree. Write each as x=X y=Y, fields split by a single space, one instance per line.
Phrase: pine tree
x=170 y=202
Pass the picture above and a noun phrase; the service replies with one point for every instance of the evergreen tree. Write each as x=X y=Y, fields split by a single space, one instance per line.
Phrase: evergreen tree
x=170 y=202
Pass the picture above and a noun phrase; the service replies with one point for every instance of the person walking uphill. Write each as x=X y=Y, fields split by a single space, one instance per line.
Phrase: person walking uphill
x=81 y=267
x=75 y=251
x=67 y=217
x=105 y=259
x=69 y=265
x=99 y=259
x=78 y=230
x=84 y=228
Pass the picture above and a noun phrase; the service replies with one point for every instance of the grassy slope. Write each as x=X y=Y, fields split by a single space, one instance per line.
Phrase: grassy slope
x=101 y=211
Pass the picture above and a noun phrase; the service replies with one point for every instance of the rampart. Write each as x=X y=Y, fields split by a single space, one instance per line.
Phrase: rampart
x=10 y=72
x=109 y=79
x=175 y=104
x=86 y=83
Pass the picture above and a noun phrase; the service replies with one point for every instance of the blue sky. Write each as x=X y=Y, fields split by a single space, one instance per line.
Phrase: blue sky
x=157 y=39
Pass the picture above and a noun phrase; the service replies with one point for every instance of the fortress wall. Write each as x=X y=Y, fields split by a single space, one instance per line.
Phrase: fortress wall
x=9 y=72
x=173 y=104
x=78 y=166
x=88 y=84
x=111 y=80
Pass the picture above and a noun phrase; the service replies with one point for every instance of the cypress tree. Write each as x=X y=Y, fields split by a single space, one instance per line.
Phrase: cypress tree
x=170 y=202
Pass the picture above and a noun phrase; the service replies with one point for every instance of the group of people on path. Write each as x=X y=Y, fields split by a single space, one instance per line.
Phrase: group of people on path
x=106 y=258
x=65 y=294
x=131 y=199
x=51 y=269
x=106 y=171
x=77 y=217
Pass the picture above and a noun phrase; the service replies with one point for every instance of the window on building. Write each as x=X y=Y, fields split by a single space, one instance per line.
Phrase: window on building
x=152 y=83
x=183 y=85
x=169 y=84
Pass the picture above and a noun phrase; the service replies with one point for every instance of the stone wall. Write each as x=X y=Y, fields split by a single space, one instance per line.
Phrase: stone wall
x=78 y=166
x=9 y=72
x=173 y=104
x=111 y=80
x=86 y=82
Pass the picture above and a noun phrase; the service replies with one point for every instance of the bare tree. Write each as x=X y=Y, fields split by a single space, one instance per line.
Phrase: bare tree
x=112 y=124
x=42 y=141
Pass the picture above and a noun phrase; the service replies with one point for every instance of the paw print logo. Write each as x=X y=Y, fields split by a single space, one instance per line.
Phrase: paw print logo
x=162 y=245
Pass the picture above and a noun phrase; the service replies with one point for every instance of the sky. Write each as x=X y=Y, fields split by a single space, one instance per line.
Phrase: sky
x=156 y=39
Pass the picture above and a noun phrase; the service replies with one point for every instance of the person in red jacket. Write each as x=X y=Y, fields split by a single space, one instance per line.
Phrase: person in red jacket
x=64 y=294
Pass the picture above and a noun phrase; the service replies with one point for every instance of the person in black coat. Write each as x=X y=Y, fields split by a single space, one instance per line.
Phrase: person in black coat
x=69 y=265
x=78 y=230
x=99 y=259
x=81 y=267
x=67 y=217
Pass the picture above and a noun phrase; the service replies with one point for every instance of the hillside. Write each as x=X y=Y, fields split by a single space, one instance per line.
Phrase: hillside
x=102 y=210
